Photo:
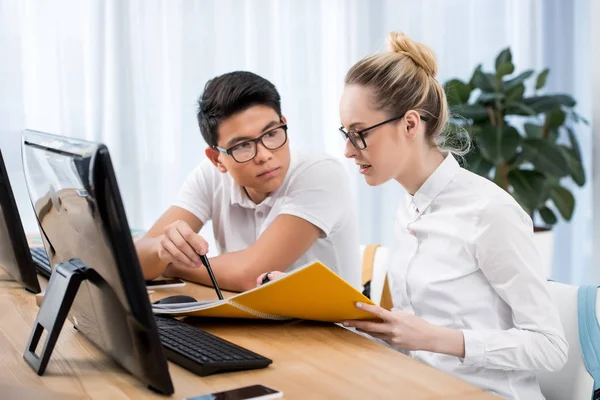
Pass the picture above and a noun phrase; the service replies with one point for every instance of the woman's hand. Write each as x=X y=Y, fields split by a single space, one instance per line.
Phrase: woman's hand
x=272 y=276
x=409 y=332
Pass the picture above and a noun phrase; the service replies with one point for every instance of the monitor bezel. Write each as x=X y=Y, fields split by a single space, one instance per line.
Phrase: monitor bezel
x=25 y=271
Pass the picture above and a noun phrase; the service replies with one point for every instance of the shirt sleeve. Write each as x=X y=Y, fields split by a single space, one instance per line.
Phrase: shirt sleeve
x=319 y=194
x=507 y=256
x=195 y=193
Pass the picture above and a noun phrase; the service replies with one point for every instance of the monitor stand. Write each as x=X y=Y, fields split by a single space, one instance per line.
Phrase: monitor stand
x=60 y=293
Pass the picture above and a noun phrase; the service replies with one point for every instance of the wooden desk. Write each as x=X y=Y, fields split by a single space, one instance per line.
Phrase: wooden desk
x=310 y=361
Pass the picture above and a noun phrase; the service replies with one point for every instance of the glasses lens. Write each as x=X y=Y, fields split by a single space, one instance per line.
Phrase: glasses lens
x=274 y=139
x=354 y=138
x=357 y=140
x=244 y=152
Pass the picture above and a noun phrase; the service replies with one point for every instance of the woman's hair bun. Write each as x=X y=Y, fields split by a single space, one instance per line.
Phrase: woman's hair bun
x=421 y=55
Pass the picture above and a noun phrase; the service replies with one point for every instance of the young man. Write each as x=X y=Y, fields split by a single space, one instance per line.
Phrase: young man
x=271 y=210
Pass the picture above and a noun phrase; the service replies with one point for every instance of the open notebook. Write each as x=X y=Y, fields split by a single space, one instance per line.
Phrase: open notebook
x=312 y=292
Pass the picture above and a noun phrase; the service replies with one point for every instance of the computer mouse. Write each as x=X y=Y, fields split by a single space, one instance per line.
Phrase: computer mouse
x=180 y=298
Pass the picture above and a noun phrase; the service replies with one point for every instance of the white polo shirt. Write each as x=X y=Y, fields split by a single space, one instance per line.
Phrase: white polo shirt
x=315 y=189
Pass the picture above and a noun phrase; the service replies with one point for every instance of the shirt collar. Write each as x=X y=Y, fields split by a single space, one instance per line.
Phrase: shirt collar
x=436 y=182
x=240 y=197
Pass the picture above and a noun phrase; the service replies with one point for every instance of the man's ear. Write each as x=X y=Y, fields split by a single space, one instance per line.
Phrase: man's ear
x=213 y=155
x=284 y=119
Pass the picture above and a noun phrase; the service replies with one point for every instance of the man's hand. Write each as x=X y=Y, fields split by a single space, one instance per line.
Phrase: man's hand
x=286 y=239
x=181 y=246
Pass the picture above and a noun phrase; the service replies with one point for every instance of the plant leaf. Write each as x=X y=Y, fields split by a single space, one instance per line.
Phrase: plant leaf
x=574 y=143
x=515 y=93
x=548 y=216
x=517 y=80
x=545 y=156
x=530 y=188
x=533 y=130
x=547 y=103
x=518 y=108
x=457 y=92
x=489 y=97
x=504 y=57
x=516 y=161
x=498 y=143
x=482 y=80
x=564 y=201
x=476 y=112
x=541 y=79
x=574 y=165
x=505 y=69
x=555 y=118
x=577 y=118
x=477 y=68
x=475 y=162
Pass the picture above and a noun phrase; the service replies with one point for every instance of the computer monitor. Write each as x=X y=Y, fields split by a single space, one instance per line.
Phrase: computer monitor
x=97 y=279
x=14 y=251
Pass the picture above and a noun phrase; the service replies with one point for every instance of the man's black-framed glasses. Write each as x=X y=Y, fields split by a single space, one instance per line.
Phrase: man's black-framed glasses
x=246 y=150
x=357 y=138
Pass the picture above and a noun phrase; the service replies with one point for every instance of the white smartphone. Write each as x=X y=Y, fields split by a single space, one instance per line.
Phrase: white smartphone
x=254 y=392
x=164 y=283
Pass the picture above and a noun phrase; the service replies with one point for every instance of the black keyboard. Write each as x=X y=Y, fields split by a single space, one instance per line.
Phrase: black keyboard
x=204 y=353
x=40 y=259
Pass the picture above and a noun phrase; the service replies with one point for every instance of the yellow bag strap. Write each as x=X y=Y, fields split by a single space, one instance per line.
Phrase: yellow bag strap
x=368 y=262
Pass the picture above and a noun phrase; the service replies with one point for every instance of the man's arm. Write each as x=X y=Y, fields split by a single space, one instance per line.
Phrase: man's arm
x=286 y=239
x=313 y=206
x=156 y=248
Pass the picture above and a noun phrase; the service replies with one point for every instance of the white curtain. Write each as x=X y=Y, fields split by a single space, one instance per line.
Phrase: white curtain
x=128 y=73
x=594 y=25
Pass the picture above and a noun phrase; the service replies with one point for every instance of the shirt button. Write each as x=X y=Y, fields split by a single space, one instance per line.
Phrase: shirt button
x=259 y=214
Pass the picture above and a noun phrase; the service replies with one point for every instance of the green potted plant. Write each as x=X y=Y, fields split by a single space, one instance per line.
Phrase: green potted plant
x=521 y=139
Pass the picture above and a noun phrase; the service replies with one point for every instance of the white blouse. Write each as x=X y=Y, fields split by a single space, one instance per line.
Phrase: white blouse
x=465 y=259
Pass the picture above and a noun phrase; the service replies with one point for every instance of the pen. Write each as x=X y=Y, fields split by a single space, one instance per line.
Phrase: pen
x=265 y=279
x=212 y=276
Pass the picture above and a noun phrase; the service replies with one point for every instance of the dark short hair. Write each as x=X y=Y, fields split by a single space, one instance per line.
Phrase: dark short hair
x=229 y=94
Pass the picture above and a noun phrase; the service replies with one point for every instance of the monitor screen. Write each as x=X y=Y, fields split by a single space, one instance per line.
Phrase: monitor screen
x=76 y=199
x=14 y=251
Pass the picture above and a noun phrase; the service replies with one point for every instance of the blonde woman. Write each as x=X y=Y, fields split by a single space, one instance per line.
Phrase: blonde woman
x=468 y=294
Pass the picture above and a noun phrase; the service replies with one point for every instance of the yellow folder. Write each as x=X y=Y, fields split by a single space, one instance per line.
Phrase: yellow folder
x=312 y=292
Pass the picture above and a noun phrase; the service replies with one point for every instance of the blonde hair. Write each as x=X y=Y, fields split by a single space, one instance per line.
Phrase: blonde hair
x=403 y=79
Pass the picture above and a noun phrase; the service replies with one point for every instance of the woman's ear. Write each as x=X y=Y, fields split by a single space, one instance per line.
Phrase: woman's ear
x=213 y=155
x=413 y=123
